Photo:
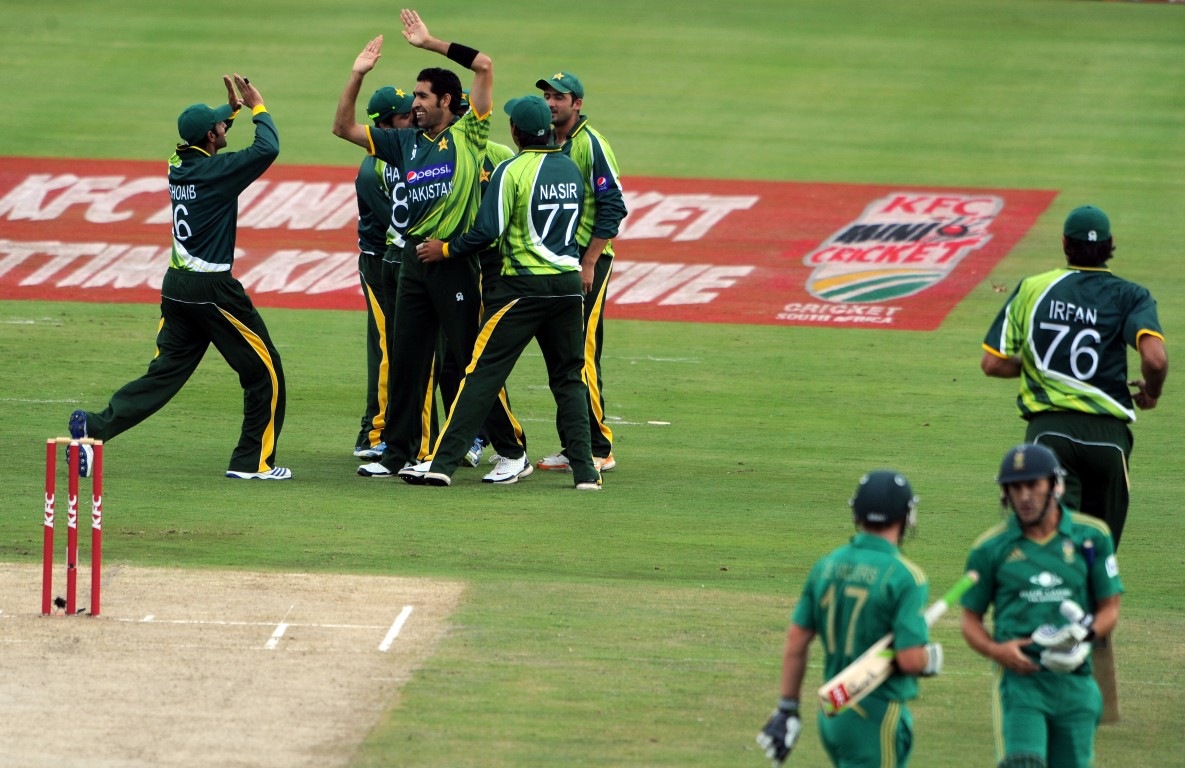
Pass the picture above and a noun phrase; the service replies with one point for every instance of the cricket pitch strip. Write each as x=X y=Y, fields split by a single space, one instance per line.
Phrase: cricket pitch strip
x=193 y=667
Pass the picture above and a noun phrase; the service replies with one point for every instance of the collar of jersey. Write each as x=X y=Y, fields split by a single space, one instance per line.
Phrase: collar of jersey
x=579 y=126
x=872 y=541
x=1064 y=526
x=185 y=147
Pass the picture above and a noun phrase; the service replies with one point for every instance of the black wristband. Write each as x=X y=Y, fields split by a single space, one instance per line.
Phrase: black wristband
x=462 y=54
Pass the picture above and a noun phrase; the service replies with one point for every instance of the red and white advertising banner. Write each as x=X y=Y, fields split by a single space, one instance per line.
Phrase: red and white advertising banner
x=756 y=252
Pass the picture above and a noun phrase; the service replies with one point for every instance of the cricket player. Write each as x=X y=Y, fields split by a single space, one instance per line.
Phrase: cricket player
x=1065 y=333
x=491 y=265
x=531 y=209
x=1038 y=568
x=852 y=598
x=440 y=161
x=378 y=232
x=201 y=302
x=603 y=211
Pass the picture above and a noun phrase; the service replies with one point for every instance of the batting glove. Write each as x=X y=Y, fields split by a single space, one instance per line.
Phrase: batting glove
x=1080 y=629
x=1065 y=662
x=781 y=732
x=933 y=659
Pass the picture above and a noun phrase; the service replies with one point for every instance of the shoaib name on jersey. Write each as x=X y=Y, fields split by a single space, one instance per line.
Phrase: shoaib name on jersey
x=183 y=191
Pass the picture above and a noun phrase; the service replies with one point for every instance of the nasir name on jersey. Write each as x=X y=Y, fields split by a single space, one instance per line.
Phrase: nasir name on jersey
x=557 y=191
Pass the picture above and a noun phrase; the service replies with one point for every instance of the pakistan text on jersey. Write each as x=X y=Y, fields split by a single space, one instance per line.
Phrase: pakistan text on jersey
x=1072 y=313
x=429 y=192
x=557 y=191
x=183 y=191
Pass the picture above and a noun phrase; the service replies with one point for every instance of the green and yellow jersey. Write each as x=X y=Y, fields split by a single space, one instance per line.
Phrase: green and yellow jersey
x=605 y=207
x=496 y=154
x=1071 y=328
x=857 y=594
x=1025 y=581
x=376 y=221
x=533 y=203
x=441 y=173
x=204 y=193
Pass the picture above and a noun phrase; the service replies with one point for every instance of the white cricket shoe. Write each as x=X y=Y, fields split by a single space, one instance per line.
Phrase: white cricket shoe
x=556 y=462
x=371 y=452
x=421 y=474
x=473 y=455
x=375 y=470
x=605 y=464
x=509 y=470
x=279 y=473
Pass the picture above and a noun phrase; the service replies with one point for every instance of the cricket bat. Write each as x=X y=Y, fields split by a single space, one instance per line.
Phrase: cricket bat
x=875 y=665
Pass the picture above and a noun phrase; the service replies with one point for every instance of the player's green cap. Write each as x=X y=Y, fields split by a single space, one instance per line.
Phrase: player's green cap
x=1087 y=223
x=197 y=120
x=564 y=82
x=388 y=101
x=530 y=114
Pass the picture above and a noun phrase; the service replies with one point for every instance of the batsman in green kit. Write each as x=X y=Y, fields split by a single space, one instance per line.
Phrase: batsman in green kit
x=852 y=598
x=531 y=209
x=441 y=162
x=201 y=302
x=1065 y=334
x=1051 y=580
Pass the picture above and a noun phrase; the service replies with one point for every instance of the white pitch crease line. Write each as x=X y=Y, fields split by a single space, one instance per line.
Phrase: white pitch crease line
x=393 y=632
x=271 y=644
x=281 y=628
x=225 y=623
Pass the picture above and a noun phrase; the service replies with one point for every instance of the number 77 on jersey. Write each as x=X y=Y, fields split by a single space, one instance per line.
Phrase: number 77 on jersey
x=875 y=665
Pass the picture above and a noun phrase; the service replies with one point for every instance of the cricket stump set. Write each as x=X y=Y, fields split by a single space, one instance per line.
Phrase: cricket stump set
x=73 y=449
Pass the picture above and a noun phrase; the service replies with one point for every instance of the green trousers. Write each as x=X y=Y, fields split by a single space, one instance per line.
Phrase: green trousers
x=594 y=338
x=370 y=273
x=422 y=418
x=1047 y=714
x=199 y=309
x=431 y=299
x=1094 y=451
x=873 y=734
x=544 y=308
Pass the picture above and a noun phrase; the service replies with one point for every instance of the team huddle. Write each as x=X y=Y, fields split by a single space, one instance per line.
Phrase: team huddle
x=468 y=250
x=1047 y=573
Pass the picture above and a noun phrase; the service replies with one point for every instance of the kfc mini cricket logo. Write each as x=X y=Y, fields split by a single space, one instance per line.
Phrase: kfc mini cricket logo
x=900 y=245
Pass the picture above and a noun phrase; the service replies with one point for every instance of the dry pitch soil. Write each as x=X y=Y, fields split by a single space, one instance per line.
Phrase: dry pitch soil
x=188 y=668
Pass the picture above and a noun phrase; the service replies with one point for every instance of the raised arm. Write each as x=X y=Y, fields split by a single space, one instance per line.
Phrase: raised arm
x=481 y=92
x=344 y=123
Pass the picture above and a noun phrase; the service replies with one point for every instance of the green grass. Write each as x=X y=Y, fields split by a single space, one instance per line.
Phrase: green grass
x=641 y=626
